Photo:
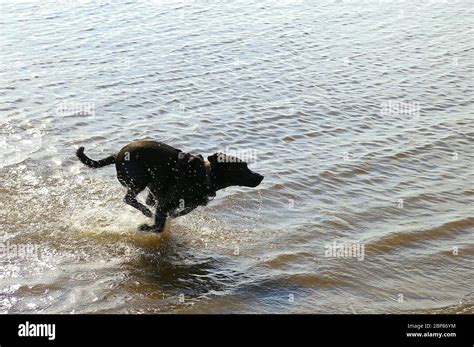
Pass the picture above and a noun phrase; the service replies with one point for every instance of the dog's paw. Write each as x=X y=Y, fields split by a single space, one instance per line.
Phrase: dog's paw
x=145 y=227
x=150 y=200
x=147 y=213
x=150 y=228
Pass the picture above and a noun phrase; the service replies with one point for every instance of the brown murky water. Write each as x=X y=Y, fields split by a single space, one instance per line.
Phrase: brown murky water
x=358 y=113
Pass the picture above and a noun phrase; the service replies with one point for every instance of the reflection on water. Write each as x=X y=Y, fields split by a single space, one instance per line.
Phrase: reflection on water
x=358 y=114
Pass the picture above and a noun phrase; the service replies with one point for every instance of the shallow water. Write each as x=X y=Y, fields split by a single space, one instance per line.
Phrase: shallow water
x=304 y=87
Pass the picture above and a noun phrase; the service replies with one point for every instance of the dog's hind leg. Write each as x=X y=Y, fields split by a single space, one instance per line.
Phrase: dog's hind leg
x=131 y=199
x=161 y=211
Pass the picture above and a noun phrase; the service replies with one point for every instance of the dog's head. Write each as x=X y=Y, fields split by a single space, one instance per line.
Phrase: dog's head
x=231 y=171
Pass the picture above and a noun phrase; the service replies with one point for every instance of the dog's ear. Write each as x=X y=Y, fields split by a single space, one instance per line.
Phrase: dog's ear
x=196 y=161
x=213 y=158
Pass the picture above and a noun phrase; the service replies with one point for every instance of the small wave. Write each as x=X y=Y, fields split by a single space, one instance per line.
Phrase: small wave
x=298 y=280
x=407 y=238
x=283 y=259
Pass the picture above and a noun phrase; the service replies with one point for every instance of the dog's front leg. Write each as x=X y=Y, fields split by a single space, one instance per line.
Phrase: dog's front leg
x=160 y=220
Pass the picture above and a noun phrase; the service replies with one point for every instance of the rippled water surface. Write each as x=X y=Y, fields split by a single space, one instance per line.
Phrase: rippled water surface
x=305 y=85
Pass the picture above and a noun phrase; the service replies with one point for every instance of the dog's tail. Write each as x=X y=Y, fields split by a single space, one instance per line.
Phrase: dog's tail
x=94 y=163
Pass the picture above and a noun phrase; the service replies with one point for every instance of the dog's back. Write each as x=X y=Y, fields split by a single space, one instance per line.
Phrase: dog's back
x=145 y=162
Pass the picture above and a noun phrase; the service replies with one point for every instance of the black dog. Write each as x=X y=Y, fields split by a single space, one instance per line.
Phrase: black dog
x=178 y=182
